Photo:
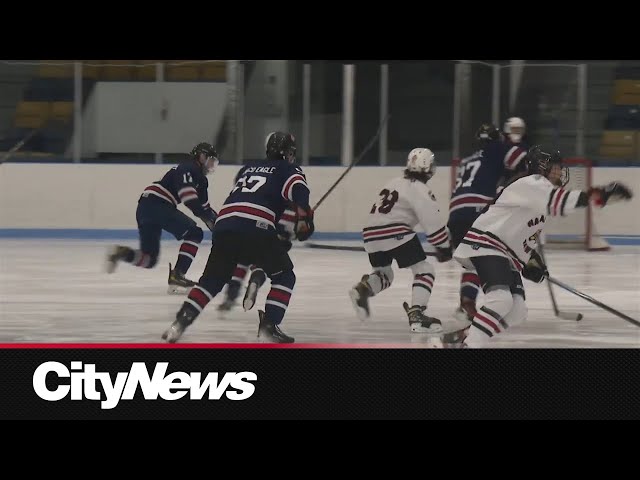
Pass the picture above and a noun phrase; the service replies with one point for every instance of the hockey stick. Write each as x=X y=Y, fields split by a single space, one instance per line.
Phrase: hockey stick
x=18 y=146
x=350 y=248
x=558 y=313
x=354 y=162
x=593 y=300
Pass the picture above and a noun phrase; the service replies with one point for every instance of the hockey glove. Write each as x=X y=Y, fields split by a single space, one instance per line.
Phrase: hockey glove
x=535 y=270
x=444 y=254
x=304 y=224
x=209 y=218
x=613 y=192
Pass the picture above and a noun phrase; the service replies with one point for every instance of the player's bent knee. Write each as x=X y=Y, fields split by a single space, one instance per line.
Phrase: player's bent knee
x=519 y=311
x=194 y=234
x=286 y=279
x=423 y=268
x=498 y=299
x=386 y=275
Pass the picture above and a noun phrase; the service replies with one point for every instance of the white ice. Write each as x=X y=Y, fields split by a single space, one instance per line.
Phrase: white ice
x=56 y=291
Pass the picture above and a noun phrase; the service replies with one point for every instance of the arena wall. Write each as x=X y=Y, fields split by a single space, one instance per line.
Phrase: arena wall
x=99 y=201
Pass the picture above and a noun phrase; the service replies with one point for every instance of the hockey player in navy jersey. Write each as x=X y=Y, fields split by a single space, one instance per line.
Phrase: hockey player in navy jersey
x=478 y=179
x=157 y=211
x=285 y=227
x=246 y=234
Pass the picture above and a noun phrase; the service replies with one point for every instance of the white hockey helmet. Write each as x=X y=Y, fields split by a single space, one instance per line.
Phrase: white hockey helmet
x=421 y=162
x=514 y=129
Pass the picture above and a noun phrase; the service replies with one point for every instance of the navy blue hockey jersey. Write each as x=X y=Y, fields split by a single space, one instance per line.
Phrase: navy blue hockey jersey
x=262 y=192
x=479 y=174
x=184 y=183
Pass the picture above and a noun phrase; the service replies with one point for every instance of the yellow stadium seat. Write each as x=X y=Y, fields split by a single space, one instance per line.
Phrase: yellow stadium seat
x=188 y=72
x=91 y=69
x=214 y=72
x=56 y=69
x=147 y=72
x=32 y=114
x=626 y=92
x=118 y=70
x=62 y=111
x=619 y=143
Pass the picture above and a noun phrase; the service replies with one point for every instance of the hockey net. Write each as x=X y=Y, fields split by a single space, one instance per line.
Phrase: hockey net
x=577 y=230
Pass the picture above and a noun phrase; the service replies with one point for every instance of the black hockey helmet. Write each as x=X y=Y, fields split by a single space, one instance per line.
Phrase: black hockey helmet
x=487 y=132
x=281 y=146
x=541 y=161
x=210 y=160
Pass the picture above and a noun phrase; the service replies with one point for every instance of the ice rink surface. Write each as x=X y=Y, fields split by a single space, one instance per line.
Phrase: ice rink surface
x=56 y=291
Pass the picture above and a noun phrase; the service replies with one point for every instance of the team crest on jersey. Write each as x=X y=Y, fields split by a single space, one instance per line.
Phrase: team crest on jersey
x=536 y=221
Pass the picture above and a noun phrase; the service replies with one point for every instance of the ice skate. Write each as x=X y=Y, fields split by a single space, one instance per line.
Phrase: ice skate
x=178 y=283
x=115 y=254
x=250 y=296
x=177 y=328
x=455 y=339
x=360 y=298
x=270 y=332
x=465 y=311
x=419 y=322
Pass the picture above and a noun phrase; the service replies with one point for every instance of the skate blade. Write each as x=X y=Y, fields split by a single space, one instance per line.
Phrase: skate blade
x=434 y=330
x=250 y=297
x=360 y=312
x=178 y=290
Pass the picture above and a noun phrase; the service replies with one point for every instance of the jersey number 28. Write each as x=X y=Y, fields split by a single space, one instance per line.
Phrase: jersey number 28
x=467 y=173
x=389 y=199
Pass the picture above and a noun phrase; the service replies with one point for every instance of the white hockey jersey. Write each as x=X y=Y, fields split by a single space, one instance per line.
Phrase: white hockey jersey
x=511 y=226
x=402 y=205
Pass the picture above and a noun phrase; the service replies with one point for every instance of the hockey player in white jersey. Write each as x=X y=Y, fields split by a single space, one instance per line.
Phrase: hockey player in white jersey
x=501 y=244
x=404 y=203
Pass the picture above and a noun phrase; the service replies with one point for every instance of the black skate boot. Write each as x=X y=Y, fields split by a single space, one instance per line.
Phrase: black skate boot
x=257 y=279
x=233 y=289
x=360 y=298
x=419 y=322
x=270 y=332
x=116 y=254
x=184 y=318
x=178 y=283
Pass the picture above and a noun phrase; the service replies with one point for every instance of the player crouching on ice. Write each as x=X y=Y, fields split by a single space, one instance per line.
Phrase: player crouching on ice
x=405 y=202
x=157 y=211
x=501 y=244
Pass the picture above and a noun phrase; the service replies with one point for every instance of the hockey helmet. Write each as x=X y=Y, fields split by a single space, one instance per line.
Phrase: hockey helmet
x=514 y=129
x=487 y=132
x=210 y=160
x=542 y=162
x=281 y=146
x=421 y=164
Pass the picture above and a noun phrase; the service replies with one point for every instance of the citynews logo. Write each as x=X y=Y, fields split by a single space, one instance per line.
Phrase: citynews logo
x=176 y=385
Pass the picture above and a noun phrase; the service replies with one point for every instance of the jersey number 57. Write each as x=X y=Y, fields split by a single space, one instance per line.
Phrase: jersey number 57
x=467 y=173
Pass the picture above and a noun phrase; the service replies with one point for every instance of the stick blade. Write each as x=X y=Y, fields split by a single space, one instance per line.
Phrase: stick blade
x=570 y=316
